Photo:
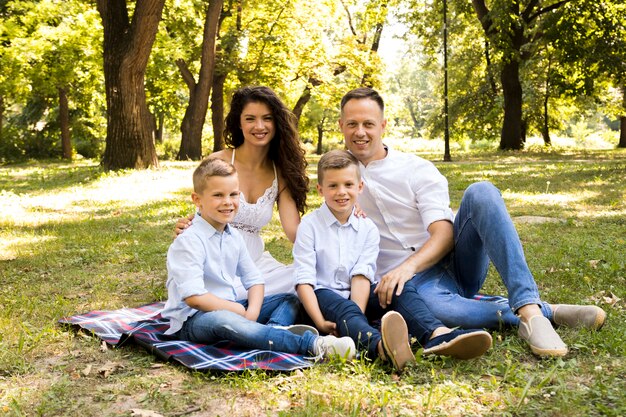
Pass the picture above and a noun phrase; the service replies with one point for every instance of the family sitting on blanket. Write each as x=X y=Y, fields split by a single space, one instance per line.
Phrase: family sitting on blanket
x=424 y=249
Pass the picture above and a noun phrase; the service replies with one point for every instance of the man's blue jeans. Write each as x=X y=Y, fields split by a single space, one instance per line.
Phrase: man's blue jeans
x=483 y=231
x=277 y=310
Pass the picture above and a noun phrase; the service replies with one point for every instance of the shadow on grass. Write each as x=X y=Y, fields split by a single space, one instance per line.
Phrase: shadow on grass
x=41 y=176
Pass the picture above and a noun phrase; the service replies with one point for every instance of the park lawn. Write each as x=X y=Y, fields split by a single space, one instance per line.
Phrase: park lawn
x=75 y=239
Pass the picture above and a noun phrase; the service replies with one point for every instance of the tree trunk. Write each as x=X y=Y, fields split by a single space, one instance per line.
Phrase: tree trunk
x=622 y=123
x=64 y=122
x=302 y=101
x=217 y=111
x=545 y=132
x=160 y=123
x=320 y=136
x=195 y=115
x=511 y=135
x=1 y=115
x=127 y=47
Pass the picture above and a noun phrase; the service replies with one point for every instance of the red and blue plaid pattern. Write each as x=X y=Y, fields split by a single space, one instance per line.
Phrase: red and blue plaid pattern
x=144 y=326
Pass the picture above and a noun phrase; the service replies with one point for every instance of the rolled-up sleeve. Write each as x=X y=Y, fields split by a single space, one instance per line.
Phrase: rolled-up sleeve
x=366 y=263
x=185 y=261
x=304 y=255
x=431 y=196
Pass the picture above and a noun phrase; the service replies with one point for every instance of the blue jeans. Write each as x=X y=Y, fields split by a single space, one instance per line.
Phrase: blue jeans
x=277 y=310
x=483 y=232
x=412 y=306
x=350 y=320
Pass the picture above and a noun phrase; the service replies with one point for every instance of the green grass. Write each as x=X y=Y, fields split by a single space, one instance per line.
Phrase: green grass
x=74 y=239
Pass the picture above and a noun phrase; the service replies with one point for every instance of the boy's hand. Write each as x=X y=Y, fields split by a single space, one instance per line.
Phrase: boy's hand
x=239 y=309
x=251 y=315
x=182 y=224
x=328 y=327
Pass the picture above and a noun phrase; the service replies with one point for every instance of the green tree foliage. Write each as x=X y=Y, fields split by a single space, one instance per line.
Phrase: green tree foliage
x=51 y=52
x=591 y=41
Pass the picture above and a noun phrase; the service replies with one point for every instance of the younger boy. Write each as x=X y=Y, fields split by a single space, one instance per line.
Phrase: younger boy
x=202 y=265
x=335 y=261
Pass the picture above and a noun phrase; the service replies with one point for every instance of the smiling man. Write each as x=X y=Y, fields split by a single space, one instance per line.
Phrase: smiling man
x=423 y=245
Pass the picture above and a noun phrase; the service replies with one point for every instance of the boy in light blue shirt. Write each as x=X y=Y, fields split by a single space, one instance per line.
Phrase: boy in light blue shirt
x=335 y=261
x=203 y=264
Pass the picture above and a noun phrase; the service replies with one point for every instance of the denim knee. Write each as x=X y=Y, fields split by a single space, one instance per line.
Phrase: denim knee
x=482 y=191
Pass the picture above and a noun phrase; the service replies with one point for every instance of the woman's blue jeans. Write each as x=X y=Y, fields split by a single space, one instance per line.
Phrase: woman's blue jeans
x=277 y=310
x=483 y=232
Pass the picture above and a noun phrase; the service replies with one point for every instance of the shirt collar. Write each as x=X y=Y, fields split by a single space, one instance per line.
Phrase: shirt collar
x=207 y=228
x=329 y=218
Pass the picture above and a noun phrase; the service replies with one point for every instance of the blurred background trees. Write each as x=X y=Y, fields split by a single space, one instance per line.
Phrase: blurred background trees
x=517 y=68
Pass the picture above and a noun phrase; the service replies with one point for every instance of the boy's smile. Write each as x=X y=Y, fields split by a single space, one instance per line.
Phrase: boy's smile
x=340 y=189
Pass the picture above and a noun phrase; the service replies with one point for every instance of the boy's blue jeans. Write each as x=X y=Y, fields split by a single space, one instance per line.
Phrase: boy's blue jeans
x=352 y=322
x=349 y=319
x=277 y=310
x=483 y=231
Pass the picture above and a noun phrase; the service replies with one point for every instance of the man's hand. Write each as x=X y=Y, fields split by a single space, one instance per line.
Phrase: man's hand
x=393 y=282
x=182 y=224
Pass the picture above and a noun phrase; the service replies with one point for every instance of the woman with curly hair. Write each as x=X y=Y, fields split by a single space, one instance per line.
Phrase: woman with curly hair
x=263 y=144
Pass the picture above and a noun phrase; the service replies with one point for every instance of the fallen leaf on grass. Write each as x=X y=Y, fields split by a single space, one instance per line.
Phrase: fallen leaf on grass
x=607 y=297
x=144 y=413
x=594 y=263
x=108 y=368
x=87 y=370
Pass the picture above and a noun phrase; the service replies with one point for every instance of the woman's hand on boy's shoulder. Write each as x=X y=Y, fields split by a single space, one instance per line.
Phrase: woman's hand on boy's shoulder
x=182 y=224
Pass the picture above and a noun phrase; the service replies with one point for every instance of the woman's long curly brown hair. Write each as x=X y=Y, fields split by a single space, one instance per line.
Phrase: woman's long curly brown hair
x=285 y=150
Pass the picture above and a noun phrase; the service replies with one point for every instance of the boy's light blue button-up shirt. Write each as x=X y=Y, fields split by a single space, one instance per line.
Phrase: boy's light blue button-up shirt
x=203 y=260
x=328 y=254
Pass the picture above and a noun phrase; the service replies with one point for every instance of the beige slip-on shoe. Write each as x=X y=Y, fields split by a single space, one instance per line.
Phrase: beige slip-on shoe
x=588 y=316
x=541 y=336
x=395 y=338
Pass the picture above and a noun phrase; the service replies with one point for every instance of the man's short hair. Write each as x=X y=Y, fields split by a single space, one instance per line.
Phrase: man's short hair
x=363 y=93
x=210 y=167
x=336 y=159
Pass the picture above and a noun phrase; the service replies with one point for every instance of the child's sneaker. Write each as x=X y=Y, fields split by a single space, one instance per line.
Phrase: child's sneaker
x=299 y=329
x=328 y=346
x=460 y=344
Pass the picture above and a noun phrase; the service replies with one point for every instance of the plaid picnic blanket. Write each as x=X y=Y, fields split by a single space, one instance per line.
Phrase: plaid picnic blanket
x=144 y=326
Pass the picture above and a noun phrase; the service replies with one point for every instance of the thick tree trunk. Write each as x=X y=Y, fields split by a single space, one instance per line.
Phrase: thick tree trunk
x=127 y=46
x=64 y=122
x=193 y=122
x=511 y=135
x=622 y=123
x=217 y=111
